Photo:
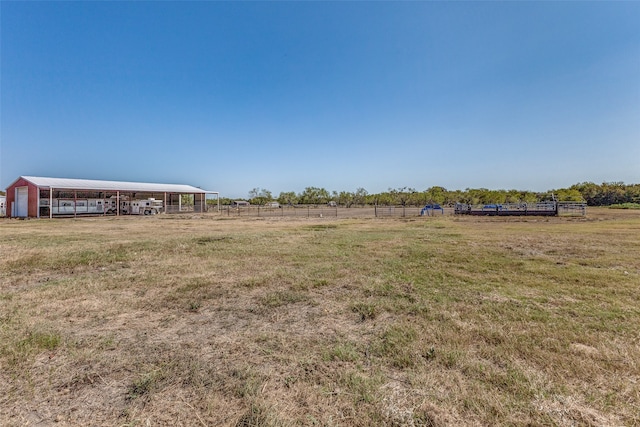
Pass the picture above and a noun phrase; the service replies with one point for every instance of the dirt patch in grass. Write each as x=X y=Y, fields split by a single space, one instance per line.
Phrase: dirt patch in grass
x=195 y=320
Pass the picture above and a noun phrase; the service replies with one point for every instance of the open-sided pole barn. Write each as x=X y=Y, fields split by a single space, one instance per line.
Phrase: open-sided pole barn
x=36 y=197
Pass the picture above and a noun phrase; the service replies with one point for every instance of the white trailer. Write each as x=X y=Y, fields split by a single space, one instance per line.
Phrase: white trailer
x=141 y=207
x=109 y=205
x=69 y=206
x=79 y=206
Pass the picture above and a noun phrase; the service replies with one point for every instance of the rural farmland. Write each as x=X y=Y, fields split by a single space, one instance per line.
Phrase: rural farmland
x=206 y=319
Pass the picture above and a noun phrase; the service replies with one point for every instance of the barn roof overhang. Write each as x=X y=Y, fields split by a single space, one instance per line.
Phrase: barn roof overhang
x=99 y=185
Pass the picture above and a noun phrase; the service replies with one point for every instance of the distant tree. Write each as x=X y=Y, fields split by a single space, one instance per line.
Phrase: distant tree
x=223 y=201
x=371 y=199
x=612 y=193
x=384 y=199
x=604 y=194
x=454 y=197
x=345 y=198
x=568 y=195
x=608 y=193
x=632 y=194
x=475 y=196
x=513 y=196
x=435 y=195
x=403 y=195
x=589 y=191
x=314 y=196
x=260 y=196
x=288 y=198
x=254 y=193
x=186 y=199
x=360 y=196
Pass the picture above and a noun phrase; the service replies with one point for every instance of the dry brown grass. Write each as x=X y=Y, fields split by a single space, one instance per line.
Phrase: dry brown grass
x=204 y=320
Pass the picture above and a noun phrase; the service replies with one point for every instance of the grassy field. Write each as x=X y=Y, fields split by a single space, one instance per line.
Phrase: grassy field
x=205 y=320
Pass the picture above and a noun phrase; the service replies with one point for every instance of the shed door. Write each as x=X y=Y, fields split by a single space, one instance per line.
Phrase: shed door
x=22 y=202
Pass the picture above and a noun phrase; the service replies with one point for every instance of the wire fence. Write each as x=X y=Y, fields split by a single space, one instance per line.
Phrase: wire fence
x=319 y=211
x=282 y=211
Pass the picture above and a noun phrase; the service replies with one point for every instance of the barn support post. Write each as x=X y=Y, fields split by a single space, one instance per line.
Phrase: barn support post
x=118 y=203
x=75 y=203
x=50 y=202
x=164 y=210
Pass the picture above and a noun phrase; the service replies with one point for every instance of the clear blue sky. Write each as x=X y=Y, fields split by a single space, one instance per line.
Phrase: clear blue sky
x=339 y=95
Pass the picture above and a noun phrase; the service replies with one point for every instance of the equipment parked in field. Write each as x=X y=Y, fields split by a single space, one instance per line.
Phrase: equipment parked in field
x=430 y=209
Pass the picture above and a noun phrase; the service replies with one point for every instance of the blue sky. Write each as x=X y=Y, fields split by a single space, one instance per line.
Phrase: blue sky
x=339 y=95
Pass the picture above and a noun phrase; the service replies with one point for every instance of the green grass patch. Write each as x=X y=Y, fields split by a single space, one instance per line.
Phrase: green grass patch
x=365 y=311
x=396 y=345
x=145 y=384
x=625 y=206
x=40 y=341
x=343 y=352
x=282 y=298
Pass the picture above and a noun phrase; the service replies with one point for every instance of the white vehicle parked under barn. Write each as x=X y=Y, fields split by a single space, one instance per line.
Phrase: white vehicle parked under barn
x=141 y=207
x=80 y=206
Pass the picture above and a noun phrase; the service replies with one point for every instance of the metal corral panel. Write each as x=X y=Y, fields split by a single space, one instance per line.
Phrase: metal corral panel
x=91 y=184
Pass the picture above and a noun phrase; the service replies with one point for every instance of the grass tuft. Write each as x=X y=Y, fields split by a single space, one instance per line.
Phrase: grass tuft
x=395 y=344
x=145 y=384
x=40 y=341
x=256 y=416
x=366 y=311
x=343 y=352
x=281 y=298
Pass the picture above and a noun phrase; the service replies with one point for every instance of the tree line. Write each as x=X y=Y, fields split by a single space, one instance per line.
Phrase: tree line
x=605 y=194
